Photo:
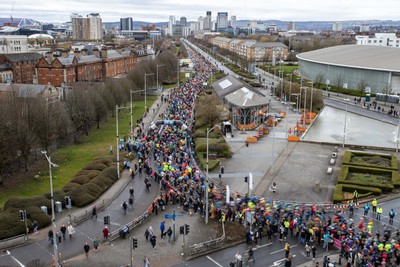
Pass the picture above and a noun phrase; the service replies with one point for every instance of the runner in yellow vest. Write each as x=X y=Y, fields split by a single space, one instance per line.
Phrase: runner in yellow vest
x=374 y=204
x=379 y=211
x=355 y=197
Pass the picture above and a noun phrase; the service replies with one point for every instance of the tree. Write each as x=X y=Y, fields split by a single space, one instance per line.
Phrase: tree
x=361 y=86
x=339 y=80
x=319 y=79
x=208 y=109
x=81 y=111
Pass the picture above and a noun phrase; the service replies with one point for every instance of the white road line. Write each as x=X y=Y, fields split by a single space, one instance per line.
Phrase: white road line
x=265 y=245
x=278 y=262
x=274 y=252
x=216 y=263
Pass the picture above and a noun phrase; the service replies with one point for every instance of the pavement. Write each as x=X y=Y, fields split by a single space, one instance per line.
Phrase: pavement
x=295 y=167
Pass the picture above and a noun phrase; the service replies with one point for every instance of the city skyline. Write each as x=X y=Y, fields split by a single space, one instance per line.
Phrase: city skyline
x=160 y=10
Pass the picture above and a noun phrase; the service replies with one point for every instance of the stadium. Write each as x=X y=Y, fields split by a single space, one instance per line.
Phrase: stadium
x=352 y=66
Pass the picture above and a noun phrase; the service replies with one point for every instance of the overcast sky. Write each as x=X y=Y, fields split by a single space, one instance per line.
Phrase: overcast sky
x=159 y=10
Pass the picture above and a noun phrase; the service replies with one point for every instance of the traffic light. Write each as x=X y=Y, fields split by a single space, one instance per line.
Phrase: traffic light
x=21 y=215
x=187 y=228
x=68 y=203
x=246 y=179
x=107 y=220
x=134 y=243
x=182 y=230
x=222 y=169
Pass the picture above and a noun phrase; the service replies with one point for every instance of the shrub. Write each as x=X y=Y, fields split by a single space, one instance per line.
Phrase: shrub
x=10 y=225
x=85 y=194
x=23 y=203
x=103 y=181
x=358 y=158
x=111 y=173
x=363 y=191
x=95 y=166
x=70 y=185
x=81 y=179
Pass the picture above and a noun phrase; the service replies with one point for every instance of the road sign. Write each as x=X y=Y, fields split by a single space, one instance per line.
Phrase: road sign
x=173 y=216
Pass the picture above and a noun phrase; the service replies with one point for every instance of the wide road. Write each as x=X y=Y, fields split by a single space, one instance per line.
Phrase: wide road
x=272 y=254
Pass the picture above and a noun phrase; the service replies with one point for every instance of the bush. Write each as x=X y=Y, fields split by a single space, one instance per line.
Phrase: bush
x=371 y=160
x=95 y=166
x=10 y=225
x=23 y=203
x=363 y=191
x=70 y=185
x=85 y=194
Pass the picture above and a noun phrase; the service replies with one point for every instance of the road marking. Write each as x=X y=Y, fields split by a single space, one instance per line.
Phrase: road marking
x=278 y=262
x=265 y=245
x=274 y=252
x=214 y=261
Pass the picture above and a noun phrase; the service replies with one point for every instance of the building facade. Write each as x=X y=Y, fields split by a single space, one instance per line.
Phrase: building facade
x=222 y=20
x=79 y=66
x=10 y=44
x=208 y=21
x=89 y=28
x=22 y=65
x=126 y=24
x=379 y=39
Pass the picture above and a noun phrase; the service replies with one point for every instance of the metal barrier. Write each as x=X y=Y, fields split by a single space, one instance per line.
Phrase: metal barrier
x=205 y=247
x=87 y=213
x=12 y=241
x=131 y=225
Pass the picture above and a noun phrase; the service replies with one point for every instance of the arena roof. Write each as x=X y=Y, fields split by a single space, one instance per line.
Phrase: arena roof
x=356 y=56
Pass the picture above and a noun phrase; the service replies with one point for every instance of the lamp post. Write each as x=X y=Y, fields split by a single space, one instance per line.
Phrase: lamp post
x=311 y=102
x=206 y=182
x=131 y=92
x=53 y=217
x=345 y=122
x=145 y=89
x=162 y=65
x=305 y=105
x=281 y=81
x=398 y=136
x=290 y=87
x=116 y=123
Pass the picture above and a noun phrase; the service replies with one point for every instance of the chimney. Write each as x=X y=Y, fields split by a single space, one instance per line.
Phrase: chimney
x=96 y=52
x=104 y=52
x=64 y=53
x=84 y=52
x=49 y=57
x=77 y=53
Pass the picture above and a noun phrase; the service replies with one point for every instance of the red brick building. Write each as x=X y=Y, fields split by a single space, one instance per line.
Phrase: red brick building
x=79 y=66
x=23 y=66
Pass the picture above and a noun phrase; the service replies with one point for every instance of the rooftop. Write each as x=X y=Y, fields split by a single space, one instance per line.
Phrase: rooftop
x=356 y=56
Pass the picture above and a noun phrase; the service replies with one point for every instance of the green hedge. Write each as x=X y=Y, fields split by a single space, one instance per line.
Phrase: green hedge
x=363 y=191
x=345 y=170
x=86 y=186
x=349 y=155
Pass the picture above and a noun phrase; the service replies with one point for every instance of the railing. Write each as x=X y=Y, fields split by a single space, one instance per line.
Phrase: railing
x=131 y=225
x=87 y=213
x=12 y=241
x=205 y=247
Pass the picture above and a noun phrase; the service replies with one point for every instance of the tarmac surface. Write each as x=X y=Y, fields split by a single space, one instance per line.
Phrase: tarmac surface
x=295 y=167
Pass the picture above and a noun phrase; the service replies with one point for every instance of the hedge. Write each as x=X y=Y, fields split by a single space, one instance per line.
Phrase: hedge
x=348 y=155
x=86 y=186
x=345 y=170
x=363 y=191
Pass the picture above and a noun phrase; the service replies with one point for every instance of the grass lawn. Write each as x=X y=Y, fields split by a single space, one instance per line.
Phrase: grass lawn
x=73 y=158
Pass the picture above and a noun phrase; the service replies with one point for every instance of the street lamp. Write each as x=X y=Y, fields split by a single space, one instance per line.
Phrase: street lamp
x=281 y=72
x=116 y=123
x=145 y=89
x=131 y=92
x=162 y=65
x=53 y=217
x=312 y=91
x=398 y=136
x=305 y=105
x=345 y=122
x=290 y=87
x=206 y=182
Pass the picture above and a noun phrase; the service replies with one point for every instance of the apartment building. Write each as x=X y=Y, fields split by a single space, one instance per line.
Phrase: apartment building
x=251 y=49
x=379 y=39
x=87 y=28
x=11 y=44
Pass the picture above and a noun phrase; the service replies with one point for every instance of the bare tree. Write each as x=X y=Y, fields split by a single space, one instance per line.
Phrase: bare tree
x=209 y=109
x=361 y=86
x=319 y=79
x=81 y=112
x=339 y=80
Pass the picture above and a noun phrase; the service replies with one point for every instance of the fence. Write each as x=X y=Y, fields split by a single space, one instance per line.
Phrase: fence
x=202 y=248
x=12 y=241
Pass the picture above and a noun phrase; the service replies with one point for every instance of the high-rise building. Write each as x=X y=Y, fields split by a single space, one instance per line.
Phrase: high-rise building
x=89 y=28
x=183 y=21
x=233 y=22
x=337 y=27
x=126 y=24
x=208 y=21
x=201 y=23
x=171 y=23
x=222 y=20
x=291 y=26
